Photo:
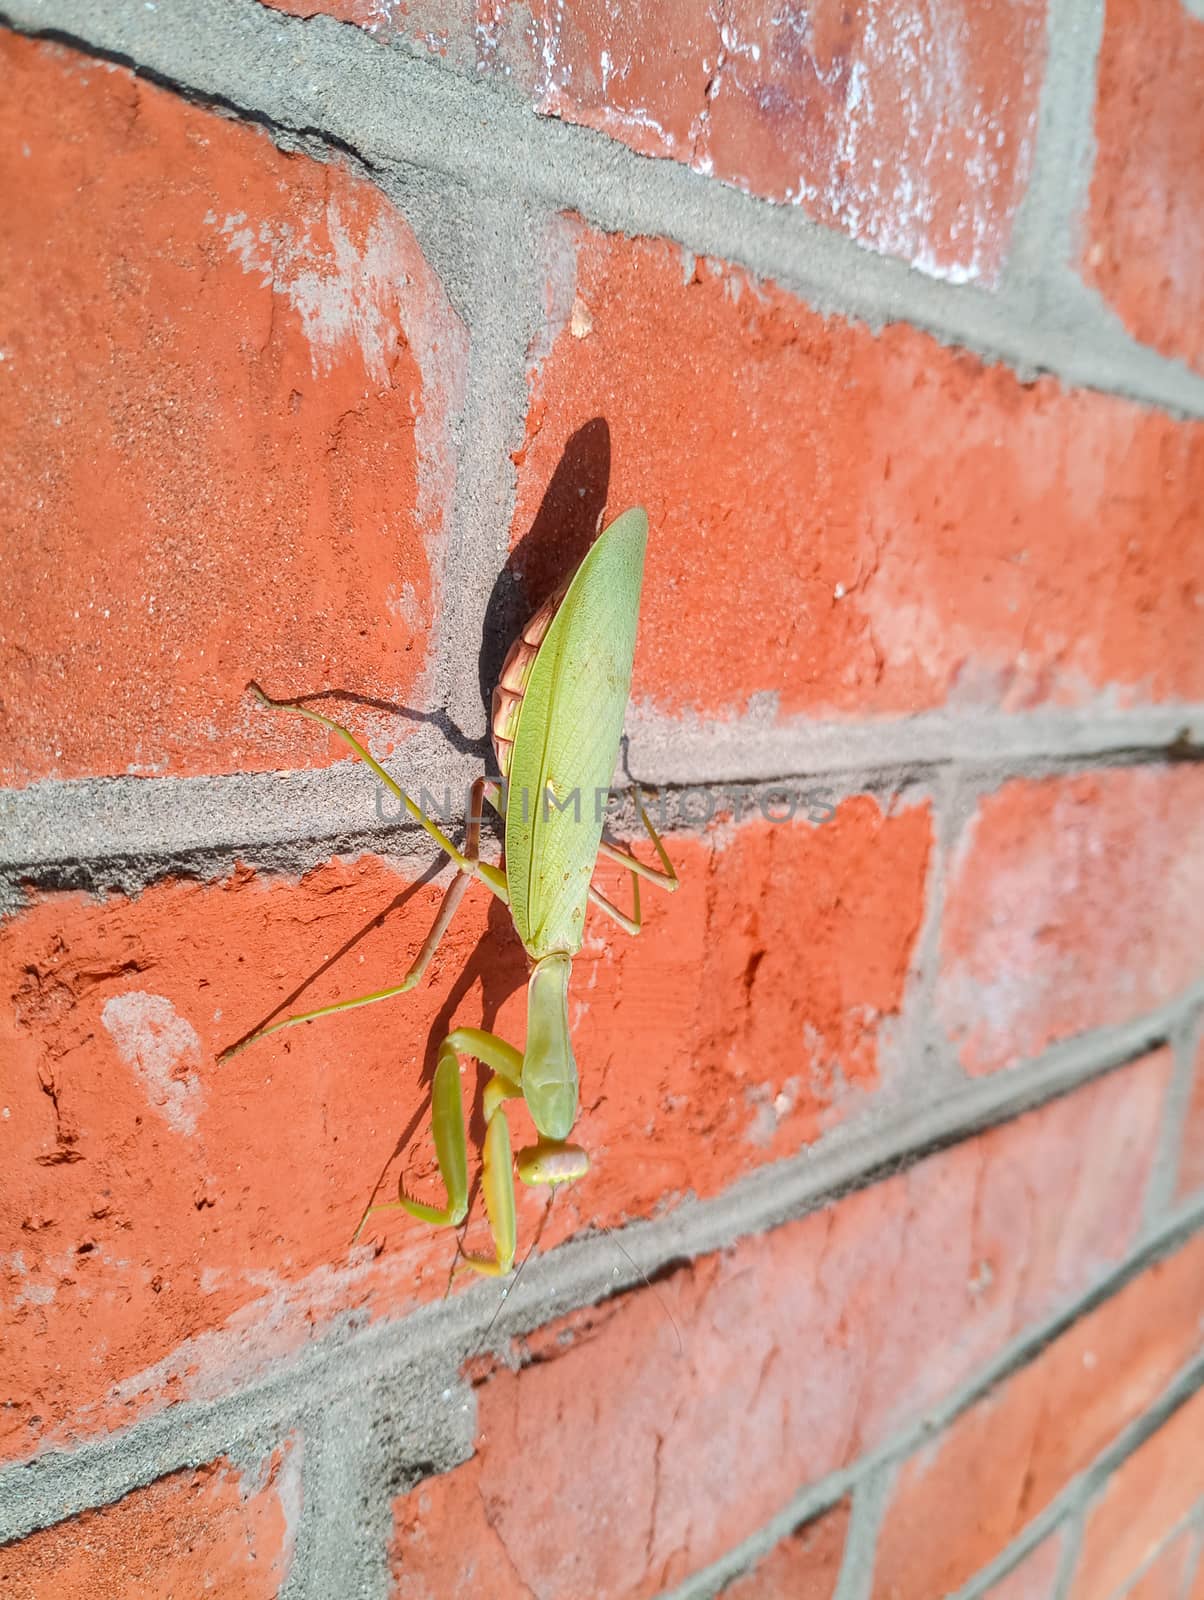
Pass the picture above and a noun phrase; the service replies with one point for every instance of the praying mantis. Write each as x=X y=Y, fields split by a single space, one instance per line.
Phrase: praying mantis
x=556 y=727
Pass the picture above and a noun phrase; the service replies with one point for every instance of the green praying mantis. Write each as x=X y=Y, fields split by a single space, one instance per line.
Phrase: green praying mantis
x=557 y=724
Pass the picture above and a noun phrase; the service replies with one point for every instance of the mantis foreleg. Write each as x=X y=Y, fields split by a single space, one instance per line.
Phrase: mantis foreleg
x=451 y=1147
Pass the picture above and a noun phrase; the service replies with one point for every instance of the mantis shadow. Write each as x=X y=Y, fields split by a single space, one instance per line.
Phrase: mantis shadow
x=439 y=718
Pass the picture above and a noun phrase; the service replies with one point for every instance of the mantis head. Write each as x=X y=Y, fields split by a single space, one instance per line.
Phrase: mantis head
x=550 y=1077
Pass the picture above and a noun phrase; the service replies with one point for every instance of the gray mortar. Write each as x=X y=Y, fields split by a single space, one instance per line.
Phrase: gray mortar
x=1072 y=1544
x=1185 y=1040
x=803 y=1508
x=127 y=833
x=1045 y=238
x=1185 y=1525
x=482 y=247
x=869 y=1509
x=371 y=1444
x=918 y=1060
x=758 y=748
x=319 y=79
x=98 y=834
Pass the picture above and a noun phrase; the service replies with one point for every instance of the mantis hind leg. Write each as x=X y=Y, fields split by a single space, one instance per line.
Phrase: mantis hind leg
x=666 y=879
x=451 y=1147
x=447 y=910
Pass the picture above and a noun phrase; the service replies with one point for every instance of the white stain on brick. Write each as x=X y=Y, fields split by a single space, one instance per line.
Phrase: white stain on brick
x=879 y=128
x=561 y=242
x=353 y=272
x=345 y=292
x=35 y=1294
x=163 y=1049
x=892 y=206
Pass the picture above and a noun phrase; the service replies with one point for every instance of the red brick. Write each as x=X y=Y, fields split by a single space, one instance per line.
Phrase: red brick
x=1034 y=1577
x=1164 y=1578
x=472 y=36
x=1153 y=1490
x=150 y=1192
x=805 y=1566
x=854 y=524
x=1191 y=1154
x=969 y=1484
x=209 y=1532
x=444 y=1544
x=799 y=1351
x=909 y=129
x=369 y=14
x=231 y=371
x=1072 y=904
x=1143 y=234
x=1002 y=1461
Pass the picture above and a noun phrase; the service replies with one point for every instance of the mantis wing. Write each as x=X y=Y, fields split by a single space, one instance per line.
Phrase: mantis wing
x=567 y=740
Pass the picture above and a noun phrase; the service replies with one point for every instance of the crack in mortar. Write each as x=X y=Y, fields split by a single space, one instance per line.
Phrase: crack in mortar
x=289 y=136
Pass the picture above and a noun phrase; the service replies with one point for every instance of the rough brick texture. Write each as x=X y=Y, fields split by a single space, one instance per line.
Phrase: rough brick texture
x=445 y=1544
x=855 y=524
x=128 y=1143
x=1002 y=1461
x=1166 y=1575
x=231 y=373
x=1032 y=1578
x=805 y=1566
x=821 y=1338
x=908 y=128
x=1144 y=1500
x=1143 y=235
x=209 y=1532
x=1072 y=903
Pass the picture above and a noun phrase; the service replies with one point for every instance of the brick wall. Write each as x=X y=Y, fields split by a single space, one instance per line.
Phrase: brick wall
x=327 y=331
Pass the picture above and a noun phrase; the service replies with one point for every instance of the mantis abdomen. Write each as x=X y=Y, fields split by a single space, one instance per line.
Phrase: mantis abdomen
x=512 y=681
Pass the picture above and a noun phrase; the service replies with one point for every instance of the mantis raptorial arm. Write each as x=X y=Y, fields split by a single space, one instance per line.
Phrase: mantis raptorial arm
x=451 y=1147
x=451 y=900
